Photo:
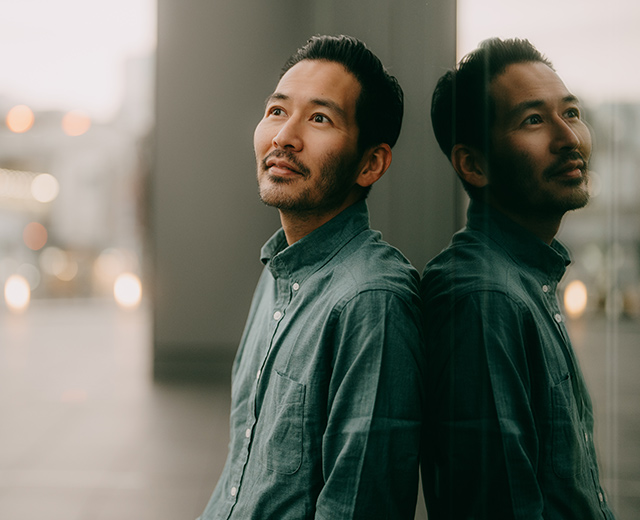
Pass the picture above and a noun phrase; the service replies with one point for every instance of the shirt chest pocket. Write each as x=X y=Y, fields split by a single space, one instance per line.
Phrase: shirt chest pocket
x=568 y=451
x=281 y=418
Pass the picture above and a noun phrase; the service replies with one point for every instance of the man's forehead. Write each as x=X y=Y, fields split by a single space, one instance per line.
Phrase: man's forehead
x=327 y=76
x=527 y=85
x=320 y=83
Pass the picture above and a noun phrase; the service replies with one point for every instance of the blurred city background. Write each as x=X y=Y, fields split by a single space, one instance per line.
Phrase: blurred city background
x=123 y=202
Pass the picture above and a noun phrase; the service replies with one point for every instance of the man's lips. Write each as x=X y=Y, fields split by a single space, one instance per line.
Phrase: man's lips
x=277 y=166
x=571 y=169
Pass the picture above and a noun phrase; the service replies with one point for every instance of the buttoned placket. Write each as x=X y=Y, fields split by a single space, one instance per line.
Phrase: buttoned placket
x=283 y=299
x=552 y=301
x=602 y=499
x=549 y=295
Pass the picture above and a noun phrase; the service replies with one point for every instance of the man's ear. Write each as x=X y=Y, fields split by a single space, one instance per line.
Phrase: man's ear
x=470 y=165
x=375 y=162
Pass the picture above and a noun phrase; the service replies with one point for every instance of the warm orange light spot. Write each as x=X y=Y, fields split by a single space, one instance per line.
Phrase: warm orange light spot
x=20 y=119
x=127 y=290
x=575 y=298
x=35 y=236
x=75 y=123
x=17 y=293
x=45 y=187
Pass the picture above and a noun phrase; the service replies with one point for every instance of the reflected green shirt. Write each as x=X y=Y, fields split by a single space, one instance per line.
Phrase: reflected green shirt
x=326 y=389
x=510 y=430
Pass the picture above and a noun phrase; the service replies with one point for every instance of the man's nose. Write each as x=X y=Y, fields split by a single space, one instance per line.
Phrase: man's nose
x=566 y=136
x=289 y=136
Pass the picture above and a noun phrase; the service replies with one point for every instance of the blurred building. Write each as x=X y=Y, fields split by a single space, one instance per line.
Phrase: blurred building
x=605 y=236
x=83 y=228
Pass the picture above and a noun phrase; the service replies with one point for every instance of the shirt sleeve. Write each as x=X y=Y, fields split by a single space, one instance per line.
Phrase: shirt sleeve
x=370 y=448
x=481 y=432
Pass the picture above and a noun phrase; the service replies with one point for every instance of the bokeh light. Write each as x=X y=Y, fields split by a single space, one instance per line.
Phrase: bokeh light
x=575 y=299
x=17 y=293
x=127 y=290
x=35 y=236
x=45 y=187
x=31 y=274
x=20 y=119
x=59 y=263
x=76 y=123
x=110 y=263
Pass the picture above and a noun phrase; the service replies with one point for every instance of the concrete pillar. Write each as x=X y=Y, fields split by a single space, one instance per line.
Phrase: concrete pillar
x=217 y=62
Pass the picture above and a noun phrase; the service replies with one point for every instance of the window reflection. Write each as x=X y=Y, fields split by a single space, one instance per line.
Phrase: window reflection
x=601 y=291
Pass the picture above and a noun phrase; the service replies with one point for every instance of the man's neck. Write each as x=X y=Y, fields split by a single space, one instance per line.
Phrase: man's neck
x=545 y=227
x=297 y=225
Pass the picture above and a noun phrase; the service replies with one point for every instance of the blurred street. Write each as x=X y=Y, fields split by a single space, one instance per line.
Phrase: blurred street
x=87 y=435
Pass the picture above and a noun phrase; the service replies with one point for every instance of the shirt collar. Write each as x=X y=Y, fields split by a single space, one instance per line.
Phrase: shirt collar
x=522 y=245
x=311 y=252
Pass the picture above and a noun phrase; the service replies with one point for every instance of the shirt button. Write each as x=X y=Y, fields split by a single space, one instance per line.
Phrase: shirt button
x=601 y=497
x=247 y=434
x=545 y=288
x=234 y=491
x=586 y=436
x=258 y=374
x=558 y=318
x=295 y=286
x=277 y=315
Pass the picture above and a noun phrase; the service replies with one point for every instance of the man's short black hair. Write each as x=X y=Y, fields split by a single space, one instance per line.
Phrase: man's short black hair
x=462 y=110
x=380 y=106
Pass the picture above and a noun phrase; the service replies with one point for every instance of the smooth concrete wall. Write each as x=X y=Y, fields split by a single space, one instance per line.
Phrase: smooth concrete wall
x=217 y=62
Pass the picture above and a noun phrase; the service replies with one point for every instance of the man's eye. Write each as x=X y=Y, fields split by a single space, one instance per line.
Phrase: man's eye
x=319 y=118
x=275 y=111
x=533 y=120
x=573 y=112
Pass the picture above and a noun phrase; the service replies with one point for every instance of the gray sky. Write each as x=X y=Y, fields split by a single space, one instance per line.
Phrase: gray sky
x=69 y=54
x=593 y=44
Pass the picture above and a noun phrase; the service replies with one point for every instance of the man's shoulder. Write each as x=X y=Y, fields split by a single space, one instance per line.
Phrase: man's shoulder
x=472 y=262
x=369 y=263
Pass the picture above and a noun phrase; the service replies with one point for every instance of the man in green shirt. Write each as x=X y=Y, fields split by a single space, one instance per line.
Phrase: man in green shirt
x=509 y=420
x=327 y=382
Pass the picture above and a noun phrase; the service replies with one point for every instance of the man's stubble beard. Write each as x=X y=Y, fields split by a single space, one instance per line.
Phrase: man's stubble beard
x=316 y=196
x=524 y=194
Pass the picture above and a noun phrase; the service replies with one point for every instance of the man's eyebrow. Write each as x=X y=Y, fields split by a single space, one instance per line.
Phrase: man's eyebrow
x=331 y=105
x=571 y=99
x=320 y=102
x=524 y=106
x=535 y=103
x=275 y=96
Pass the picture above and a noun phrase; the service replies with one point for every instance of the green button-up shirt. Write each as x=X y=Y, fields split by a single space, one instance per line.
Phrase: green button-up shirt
x=326 y=389
x=510 y=429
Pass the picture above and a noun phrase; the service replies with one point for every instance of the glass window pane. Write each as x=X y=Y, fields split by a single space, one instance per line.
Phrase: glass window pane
x=593 y=46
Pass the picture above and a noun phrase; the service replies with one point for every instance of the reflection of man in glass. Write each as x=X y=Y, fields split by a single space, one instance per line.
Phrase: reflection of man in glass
x=326 y=394
x=510 y=431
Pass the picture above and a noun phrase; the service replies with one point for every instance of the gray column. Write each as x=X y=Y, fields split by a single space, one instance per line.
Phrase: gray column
x=217 y=62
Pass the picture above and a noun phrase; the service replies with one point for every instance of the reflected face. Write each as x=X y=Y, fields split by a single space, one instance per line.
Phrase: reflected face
x=306 y=143
x=540 y=145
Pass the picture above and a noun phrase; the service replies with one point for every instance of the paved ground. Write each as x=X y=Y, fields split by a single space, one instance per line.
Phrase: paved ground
x=87 y=435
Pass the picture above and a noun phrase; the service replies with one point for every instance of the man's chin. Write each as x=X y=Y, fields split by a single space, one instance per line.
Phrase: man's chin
x=576 y=200
x=579 y=202
x=581 y=193
x=276 y=199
